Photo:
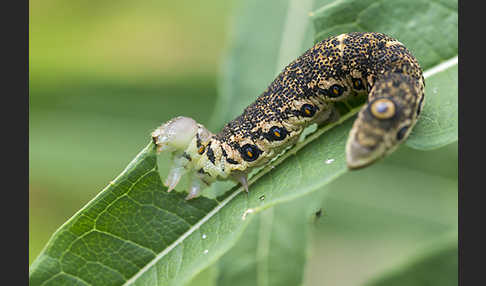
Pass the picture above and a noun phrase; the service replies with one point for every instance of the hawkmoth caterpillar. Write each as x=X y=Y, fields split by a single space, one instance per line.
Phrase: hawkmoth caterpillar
x=309 y=90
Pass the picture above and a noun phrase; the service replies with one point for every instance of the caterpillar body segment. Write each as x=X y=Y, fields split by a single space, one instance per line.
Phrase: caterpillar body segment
x=334 y=71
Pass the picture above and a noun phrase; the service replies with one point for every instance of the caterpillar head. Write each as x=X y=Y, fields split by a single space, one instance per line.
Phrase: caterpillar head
x=174 y=135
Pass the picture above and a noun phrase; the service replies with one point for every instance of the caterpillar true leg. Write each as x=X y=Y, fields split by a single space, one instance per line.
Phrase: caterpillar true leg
x=177 y=170
x=334 y=71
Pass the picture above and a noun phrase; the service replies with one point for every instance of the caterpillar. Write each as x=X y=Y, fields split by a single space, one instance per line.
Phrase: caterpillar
x=307 y=91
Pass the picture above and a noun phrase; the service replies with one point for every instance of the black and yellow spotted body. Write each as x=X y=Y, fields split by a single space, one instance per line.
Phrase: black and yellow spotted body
x=307 y=91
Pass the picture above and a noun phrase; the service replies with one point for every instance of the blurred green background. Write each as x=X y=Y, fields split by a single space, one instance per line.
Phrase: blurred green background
x=103 y=75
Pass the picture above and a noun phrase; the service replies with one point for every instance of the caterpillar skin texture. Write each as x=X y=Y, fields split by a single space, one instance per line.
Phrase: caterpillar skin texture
x=307 y=91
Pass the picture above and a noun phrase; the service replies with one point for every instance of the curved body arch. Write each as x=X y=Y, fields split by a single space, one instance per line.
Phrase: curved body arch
x=307 y=91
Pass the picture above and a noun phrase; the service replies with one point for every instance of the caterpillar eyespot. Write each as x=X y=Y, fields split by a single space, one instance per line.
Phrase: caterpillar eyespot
x=250 y=152
x=276 y=133
x=309 y=90
x=307 y=110
x=336 y=90
x=358 y=84
x=382 y=108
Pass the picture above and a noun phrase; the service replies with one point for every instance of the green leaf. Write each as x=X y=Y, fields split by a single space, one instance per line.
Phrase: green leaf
x=135 y=233
x=261 y=256
x=207 y=277
x=130 y=225
x=434 y=265
x=438 y=123
x=382 y=215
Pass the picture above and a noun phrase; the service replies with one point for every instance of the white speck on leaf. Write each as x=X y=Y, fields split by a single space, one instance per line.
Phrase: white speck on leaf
x=204 y=236
x=206 y=251
x=248 y=211
x=329 y=161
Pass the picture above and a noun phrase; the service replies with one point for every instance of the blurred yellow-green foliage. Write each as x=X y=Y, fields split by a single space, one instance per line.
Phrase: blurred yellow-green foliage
x=103 y=74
